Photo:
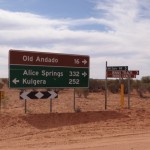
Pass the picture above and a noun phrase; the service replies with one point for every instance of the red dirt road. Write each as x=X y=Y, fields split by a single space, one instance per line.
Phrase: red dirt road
x=122 y=142
x=91 y=129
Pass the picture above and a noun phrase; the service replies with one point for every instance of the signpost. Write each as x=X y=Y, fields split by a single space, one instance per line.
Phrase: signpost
x=120 y=72
x=28 y=69
x=52 y=70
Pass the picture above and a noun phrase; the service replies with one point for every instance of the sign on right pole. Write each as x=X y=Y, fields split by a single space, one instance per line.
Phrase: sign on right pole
x=121 y=72
x=117 y=68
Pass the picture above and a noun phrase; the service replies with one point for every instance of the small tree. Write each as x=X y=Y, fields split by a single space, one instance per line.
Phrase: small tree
x=5 y=80
x=145 y=79
x=143 y=86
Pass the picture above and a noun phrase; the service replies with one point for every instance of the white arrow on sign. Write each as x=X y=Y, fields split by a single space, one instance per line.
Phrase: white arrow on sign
x=15 y=81
x=24 y=95
x=84 y=61
x=53 y=94
x=84 y=74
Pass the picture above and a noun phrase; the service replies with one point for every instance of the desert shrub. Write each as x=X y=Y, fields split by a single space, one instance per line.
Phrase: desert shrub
x=148 y=89
x=5 y=80
x=145 y=83
x=78 y=109
x=1 y=85
x=93 y=85
x=85 y=92
x=143 y=86
x=82 y=91
x=145 y=79
x=135 y=84
x=78 y=92
x=96 y=85
x=140 y=91
x=113 y=86
x=4 y=101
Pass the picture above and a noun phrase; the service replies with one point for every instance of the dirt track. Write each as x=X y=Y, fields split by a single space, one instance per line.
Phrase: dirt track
x=92 y=129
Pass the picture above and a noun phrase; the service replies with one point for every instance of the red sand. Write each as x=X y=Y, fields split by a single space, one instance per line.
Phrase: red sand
x=94 y=128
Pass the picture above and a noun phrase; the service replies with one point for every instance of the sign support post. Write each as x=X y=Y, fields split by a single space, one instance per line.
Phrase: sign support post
x=129 y=91
x=74 y=101
x=122 y=95
x=0 y=102
x=1 y=97
x=50 y=105
x=106 y=88
x=25 y=108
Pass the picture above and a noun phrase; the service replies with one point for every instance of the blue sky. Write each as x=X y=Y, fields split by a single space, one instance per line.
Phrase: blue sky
x=116 y=31
x=52 y=8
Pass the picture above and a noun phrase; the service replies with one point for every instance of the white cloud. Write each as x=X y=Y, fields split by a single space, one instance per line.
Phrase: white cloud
x=125 y=42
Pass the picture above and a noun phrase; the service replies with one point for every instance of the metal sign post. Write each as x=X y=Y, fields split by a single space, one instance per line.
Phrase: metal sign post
x=2 y=95
x=74 y=100
x=25 y=106
x=122 y=96
x=106 y=90
x=50 y=105
x=0 y=102
x=129 y=91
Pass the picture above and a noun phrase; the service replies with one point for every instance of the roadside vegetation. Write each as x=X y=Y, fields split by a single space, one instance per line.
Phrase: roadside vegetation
x=141 y=86
x=113 y=85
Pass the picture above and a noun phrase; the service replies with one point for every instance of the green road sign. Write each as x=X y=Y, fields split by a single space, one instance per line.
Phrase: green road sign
x=27 y=74
x=40 y=76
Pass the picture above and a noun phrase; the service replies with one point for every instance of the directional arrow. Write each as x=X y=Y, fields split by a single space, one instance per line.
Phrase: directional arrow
x=53 y=94
x=15 y=81
x=84 y=74
x=23 y=95
x=38 y=95
x=84 y=61
x=134 y=72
